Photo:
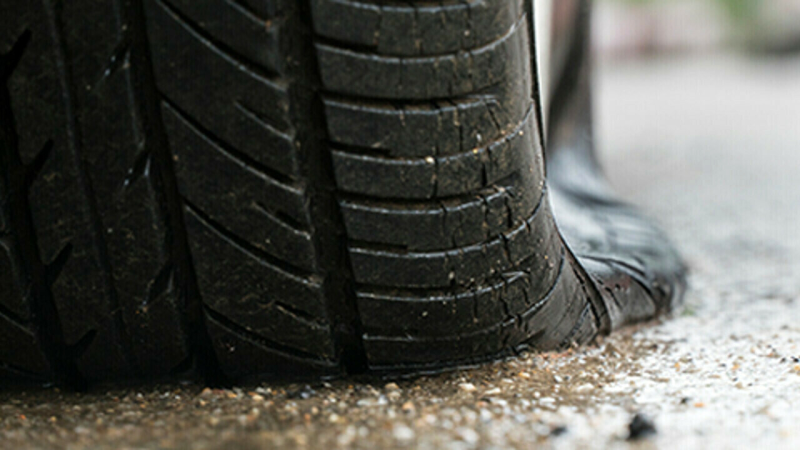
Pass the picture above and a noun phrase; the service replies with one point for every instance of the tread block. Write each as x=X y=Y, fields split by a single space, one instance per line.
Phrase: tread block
x=270 y=214
x=12 y=292
x=59 y=207
x=448 y=223
x=132 y=216
x=237 y=27
x=460 y=266
x=542 y=325
x=437 y=128
x=430 y=177
x=240 y=105
x=20 y=347
x=281 y=306
x=371 y=75
x=415 y=29
x=451 y=312
x=243 y=355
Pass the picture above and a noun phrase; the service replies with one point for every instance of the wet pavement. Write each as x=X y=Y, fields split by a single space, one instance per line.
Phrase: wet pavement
x=706 y=144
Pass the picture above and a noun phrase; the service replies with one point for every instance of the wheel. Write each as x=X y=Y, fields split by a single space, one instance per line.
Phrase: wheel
x=280 y=188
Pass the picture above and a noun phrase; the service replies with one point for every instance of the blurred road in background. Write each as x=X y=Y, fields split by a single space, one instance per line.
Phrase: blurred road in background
x=705 y=142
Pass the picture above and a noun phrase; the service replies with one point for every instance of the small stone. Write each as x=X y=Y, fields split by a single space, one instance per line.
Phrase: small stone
x=303 y=393
x=348 y=436
x=408 y=407
x=468 y=435
x=391 y=387
x=403 y=433
x=493 y=391
x=467 y=387
x=379 y=401
x=640 y=427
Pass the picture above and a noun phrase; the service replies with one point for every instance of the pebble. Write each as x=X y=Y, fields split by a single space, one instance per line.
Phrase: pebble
x=640 y=427
x=403 y=433
x=467 y=387
x=377 y=401
x=468 y=435
x=303 y=393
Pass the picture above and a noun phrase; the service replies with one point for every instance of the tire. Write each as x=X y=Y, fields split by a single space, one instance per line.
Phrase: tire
x=266 y=189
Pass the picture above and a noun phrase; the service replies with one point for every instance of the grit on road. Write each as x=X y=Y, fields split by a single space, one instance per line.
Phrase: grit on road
x=708 y=146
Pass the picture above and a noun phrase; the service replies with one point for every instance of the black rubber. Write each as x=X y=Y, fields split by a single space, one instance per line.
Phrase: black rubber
x=278 y=188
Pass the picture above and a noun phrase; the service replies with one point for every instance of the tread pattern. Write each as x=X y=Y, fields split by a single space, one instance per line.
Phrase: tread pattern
x=231 y=117
x=436 y=154
x=97 y=205
x=256 y=188
x=22 y=353
x=415 y=29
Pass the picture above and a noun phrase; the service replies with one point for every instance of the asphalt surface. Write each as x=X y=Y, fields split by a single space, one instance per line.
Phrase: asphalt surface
x=708 y=146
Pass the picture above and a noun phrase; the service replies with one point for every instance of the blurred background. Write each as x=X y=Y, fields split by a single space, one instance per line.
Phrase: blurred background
x=697 y=108
x=630 y=28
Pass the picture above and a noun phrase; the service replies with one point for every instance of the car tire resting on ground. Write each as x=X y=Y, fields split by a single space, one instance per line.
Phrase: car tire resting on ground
x=276 y=188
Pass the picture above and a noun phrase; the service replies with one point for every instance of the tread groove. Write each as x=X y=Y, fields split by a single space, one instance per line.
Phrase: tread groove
x=44 y=313
x=370 y=51
x=231 y=153
x=148 y=101
x=12 y=318
x=33 y=169
x=247 y=248
x=11 y=59
x=246 y=334
x=244 y=64
x=73 y=133
x=327 y=220
x=246 y=11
